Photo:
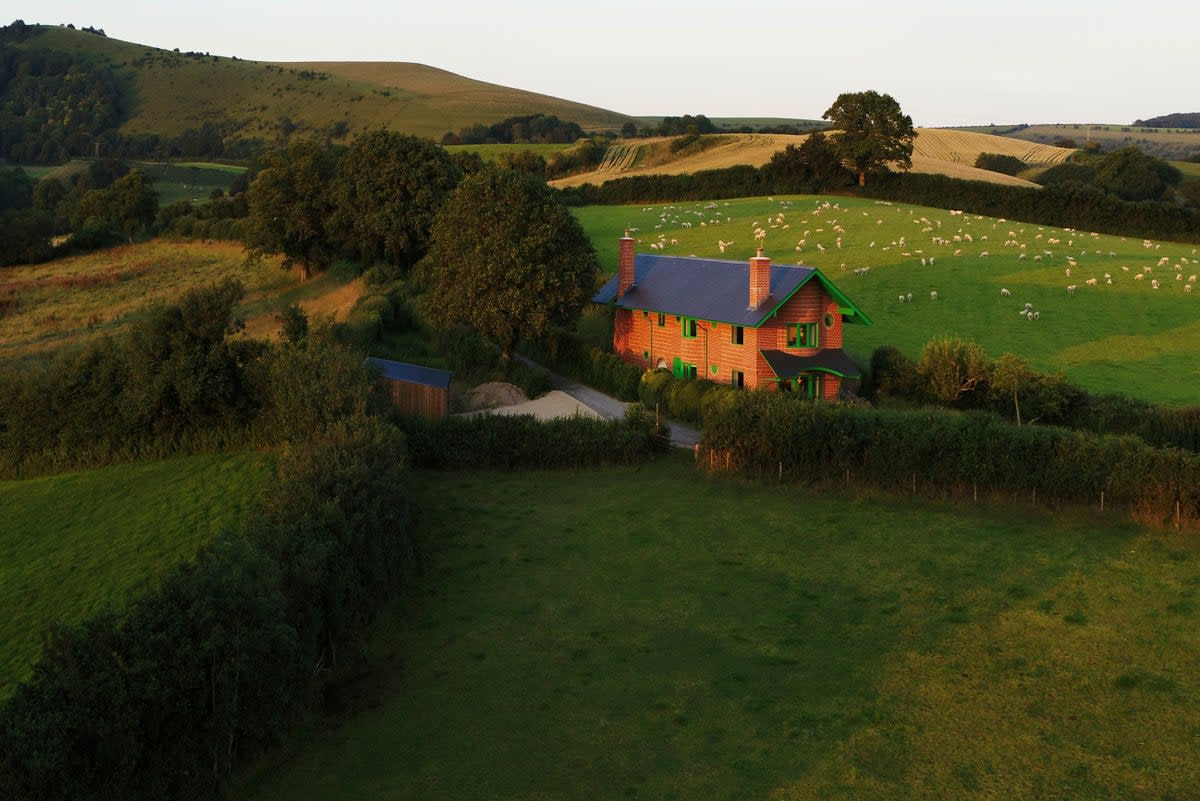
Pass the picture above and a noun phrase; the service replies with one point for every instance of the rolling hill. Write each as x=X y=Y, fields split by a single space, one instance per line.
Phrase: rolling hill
x=170 y=92
x=935 y=150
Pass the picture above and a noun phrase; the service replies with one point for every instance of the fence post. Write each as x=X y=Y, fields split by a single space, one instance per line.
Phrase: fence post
x=781 y=470
x=1101 y=500
x=975 y=492
x=1035 y=496
x=914 y=484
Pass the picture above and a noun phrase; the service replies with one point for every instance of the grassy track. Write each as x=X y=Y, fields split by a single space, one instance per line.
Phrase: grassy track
x=76 y=544
x=653 y=633
x=1120 y=337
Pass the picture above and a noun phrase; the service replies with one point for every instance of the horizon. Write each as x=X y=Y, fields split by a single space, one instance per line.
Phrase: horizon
x=1099 y=70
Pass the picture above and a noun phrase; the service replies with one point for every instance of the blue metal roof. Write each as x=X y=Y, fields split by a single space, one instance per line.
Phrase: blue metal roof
x=712 y=289
x=411 y=373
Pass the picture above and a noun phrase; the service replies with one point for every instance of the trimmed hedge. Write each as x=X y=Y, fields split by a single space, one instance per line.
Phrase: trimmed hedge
x=212 y=667
x=771 y=435
x=690 y=401
x=511 y=441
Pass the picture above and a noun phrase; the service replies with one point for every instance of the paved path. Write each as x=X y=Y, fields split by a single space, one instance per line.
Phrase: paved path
x=612 y=409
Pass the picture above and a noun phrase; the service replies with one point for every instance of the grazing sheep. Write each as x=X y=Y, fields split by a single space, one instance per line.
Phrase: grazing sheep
x=1071 y=289
x=1154 y=283
x=1187 y=287
x=1004 y=293
x=933 y=295
x=1139 y=277
x=1037 y=315
x=901 y=298
x=1090 y=282
x=1028 y=307
x=1021 y=257
x=909 y=296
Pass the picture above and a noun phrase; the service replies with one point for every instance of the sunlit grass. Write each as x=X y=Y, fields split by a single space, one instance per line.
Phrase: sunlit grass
x=655 y=633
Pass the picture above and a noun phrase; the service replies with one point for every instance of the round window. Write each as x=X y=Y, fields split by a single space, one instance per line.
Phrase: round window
x=828 y=320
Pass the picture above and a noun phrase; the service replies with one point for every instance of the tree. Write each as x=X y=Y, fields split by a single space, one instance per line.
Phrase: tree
x=950 y=368
x=1010 y=376
x=389 y=188
x=812 y=167
x=871 y=131
x=1130 y=174
x=290 y=206
x=507 y=259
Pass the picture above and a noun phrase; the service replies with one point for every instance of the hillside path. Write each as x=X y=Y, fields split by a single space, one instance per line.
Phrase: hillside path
x=610 y=408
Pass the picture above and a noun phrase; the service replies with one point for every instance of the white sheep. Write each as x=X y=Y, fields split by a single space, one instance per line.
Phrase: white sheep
x=1187 y=287
x=1139 y=277
x=1090 y=282
x=901 y=298
x=1004 y=293
x=1071 y=289
x=933 y=295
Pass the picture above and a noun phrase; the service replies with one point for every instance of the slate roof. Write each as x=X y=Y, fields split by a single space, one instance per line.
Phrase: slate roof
x=714 y=289
x=411 y=373
x=789 y=365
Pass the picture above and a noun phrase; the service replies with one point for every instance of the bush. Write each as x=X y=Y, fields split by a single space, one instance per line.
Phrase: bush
x=998 y=162
x=768 y=435
x=507 y=442
x=211 y=668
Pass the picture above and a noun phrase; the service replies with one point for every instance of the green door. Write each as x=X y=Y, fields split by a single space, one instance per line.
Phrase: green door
x=677 y=367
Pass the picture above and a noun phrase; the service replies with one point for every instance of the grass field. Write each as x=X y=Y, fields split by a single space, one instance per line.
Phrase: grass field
x=76 y=544
x=939 y=151
x=193 y=181
x=1165 y=143
x=1120 y=337
x=68 y=302
x=654 y=633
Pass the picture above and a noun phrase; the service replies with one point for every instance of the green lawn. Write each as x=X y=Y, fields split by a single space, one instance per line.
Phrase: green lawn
x=1121 y=337
x=655 y=633
x=76 y=544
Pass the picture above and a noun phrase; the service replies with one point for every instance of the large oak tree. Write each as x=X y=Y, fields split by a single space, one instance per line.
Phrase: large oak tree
x=507 y=259
x=388 y=190
x=871 y=131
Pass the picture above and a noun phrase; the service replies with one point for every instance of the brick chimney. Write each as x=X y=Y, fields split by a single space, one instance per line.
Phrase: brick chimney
x=625 y=266
x=760 y=279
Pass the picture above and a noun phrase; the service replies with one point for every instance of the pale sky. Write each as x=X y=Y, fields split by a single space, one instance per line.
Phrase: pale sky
x=946 y=63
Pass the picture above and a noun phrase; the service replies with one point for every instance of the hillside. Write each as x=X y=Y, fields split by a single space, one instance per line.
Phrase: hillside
x=935 y=150
x=171 y=92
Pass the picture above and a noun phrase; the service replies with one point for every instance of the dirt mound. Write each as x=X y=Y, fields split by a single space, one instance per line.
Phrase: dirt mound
x=491 y=396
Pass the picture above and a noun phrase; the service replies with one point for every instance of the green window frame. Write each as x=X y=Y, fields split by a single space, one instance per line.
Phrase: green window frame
x=688 y=327
x=802 y=335
x=738 y=337
x=689 y=371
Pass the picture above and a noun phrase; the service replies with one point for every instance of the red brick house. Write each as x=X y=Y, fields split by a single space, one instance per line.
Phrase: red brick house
x=748 y=325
